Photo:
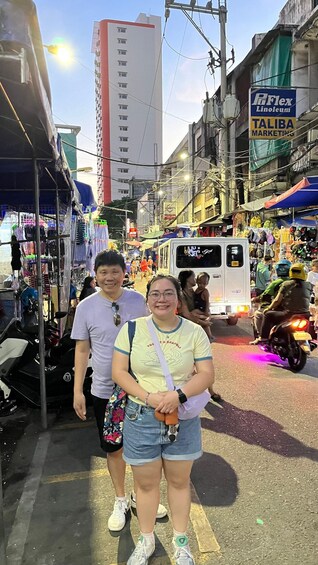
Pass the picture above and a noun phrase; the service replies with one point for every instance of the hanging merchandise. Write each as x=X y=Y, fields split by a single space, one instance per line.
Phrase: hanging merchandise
x=305 y=244
x=256 y=221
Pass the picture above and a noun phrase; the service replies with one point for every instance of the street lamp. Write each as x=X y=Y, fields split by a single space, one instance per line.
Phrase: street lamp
x=61 y=51
x=82 y=170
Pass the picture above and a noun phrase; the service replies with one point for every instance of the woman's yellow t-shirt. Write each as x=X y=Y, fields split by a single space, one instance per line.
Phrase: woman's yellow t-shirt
x=182 y=347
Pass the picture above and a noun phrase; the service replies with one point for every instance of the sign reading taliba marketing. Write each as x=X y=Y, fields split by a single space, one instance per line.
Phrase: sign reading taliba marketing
x=272 y=113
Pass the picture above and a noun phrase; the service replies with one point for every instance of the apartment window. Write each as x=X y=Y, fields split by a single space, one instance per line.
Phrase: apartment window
x=122 y=84
x=121 y=29
x=122 y=63
x=123 y=128
x=125 y=181
x=121 y=191
x=122 y=106
x=123 y=149
x=123 y=170
x=124 y=160
x=121 y=117
x=122 y=74
x=121 y=40
x=122 y=51
x=123 y=96
x=123 y=138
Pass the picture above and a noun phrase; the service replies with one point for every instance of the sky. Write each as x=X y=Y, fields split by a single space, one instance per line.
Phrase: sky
x=186 y=78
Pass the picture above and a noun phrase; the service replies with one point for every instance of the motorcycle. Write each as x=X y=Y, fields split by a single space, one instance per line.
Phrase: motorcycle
x=20 y=364
x=290 y=340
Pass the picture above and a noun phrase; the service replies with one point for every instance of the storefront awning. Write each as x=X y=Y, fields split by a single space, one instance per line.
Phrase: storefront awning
x=152 y=235
x=147 y=244
x=254 y=205
x=304 y=193
x=216 y=220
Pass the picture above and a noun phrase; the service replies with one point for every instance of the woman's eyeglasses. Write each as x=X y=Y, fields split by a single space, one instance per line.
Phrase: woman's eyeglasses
x=167 y=294
x=117 y=318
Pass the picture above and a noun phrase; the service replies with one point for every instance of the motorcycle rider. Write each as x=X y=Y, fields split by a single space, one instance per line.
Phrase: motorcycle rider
x=293 y=298
x=265 y=299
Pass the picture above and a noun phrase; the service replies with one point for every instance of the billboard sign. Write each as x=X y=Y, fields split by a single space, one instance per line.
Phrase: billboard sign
x=169 y=210
x=272 y=113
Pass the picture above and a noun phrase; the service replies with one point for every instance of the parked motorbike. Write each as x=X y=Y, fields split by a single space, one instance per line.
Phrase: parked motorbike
x=20 y=364
x=290 y=340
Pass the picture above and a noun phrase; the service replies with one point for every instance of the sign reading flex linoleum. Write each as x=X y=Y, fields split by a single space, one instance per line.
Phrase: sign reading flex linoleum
x=272 y=113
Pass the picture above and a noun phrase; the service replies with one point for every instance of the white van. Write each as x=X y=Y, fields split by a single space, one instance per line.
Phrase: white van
x=225 y=259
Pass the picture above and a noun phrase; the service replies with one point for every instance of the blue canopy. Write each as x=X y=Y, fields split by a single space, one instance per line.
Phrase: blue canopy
x=87 y=198
x=304 y=193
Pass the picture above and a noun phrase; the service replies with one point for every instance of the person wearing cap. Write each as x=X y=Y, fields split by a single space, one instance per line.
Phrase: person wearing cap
x=293 y=298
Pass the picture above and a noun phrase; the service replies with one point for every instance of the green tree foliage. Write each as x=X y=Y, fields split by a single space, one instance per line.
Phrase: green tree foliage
x=116 y=219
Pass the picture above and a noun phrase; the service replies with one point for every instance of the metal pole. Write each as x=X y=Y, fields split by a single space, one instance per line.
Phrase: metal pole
x=192 y=170
x=40 y=296
x=58 y=247
x=3 y=558
x=224 y=131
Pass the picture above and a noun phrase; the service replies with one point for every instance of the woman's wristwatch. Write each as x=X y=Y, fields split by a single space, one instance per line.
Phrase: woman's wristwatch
x=182 y=397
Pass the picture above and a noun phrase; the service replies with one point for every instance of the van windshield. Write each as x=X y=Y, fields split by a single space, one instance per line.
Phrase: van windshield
x=198 y=256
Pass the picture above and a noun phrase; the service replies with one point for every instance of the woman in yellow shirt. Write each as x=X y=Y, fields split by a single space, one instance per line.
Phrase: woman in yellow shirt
x=147 y=447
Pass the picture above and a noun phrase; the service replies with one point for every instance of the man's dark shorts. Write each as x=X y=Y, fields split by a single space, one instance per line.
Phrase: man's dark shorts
x=99 y=405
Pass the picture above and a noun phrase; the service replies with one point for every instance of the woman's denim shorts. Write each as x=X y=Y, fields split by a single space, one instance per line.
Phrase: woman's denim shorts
x=146 y=440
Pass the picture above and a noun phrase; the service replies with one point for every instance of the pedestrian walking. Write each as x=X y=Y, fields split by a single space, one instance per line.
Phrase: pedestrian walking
x=148 y=448
x=96 y=325
x=144 y=268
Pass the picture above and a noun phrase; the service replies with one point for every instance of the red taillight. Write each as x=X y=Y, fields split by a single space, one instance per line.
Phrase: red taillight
x=300 y=324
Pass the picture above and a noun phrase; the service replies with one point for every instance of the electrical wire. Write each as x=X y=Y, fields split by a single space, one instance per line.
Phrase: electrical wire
x=177 y=65
x=185 y=56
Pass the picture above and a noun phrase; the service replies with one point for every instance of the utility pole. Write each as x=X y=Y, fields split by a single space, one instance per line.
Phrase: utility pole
x=224 y=131
x=221 y=61
x=125 y=232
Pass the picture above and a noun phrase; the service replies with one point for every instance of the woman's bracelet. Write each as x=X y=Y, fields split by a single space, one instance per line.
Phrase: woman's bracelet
x=147 y=398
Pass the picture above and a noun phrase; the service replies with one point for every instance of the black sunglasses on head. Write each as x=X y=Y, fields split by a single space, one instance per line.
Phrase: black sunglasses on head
x=117 y=318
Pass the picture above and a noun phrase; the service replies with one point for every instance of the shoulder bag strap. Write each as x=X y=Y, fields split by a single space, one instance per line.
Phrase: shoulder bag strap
x=131 y=335
x=163 y=362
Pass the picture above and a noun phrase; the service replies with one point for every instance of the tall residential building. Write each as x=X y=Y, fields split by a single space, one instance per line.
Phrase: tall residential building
x=128 y=77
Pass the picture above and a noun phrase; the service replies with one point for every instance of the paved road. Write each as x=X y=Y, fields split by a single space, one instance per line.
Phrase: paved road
x=254 y=491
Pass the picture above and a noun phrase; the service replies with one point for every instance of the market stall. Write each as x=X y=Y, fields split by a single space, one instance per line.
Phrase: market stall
x=34 y=176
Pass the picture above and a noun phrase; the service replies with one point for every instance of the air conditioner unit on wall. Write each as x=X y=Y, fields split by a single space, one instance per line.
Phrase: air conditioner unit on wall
x=312 y=135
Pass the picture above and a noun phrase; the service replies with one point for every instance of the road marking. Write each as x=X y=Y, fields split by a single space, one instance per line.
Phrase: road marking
x=207 y=541
x=20 y=528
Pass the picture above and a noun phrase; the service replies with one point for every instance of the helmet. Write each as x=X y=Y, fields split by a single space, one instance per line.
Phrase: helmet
x=282 y=268
x=297 y=271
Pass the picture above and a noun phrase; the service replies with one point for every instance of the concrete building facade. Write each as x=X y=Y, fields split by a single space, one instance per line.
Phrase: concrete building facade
x=128 y=78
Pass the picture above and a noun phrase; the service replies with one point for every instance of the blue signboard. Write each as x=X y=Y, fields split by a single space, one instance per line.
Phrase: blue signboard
x=272 y=113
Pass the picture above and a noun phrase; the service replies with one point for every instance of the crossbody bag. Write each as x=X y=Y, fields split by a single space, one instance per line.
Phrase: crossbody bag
x=195 y=404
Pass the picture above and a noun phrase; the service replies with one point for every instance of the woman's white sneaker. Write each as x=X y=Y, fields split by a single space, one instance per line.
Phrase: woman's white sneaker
x=117 y=519
x=182 y=553
x=141 y=553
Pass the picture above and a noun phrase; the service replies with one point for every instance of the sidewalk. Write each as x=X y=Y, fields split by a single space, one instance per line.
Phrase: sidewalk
x=58 y=498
